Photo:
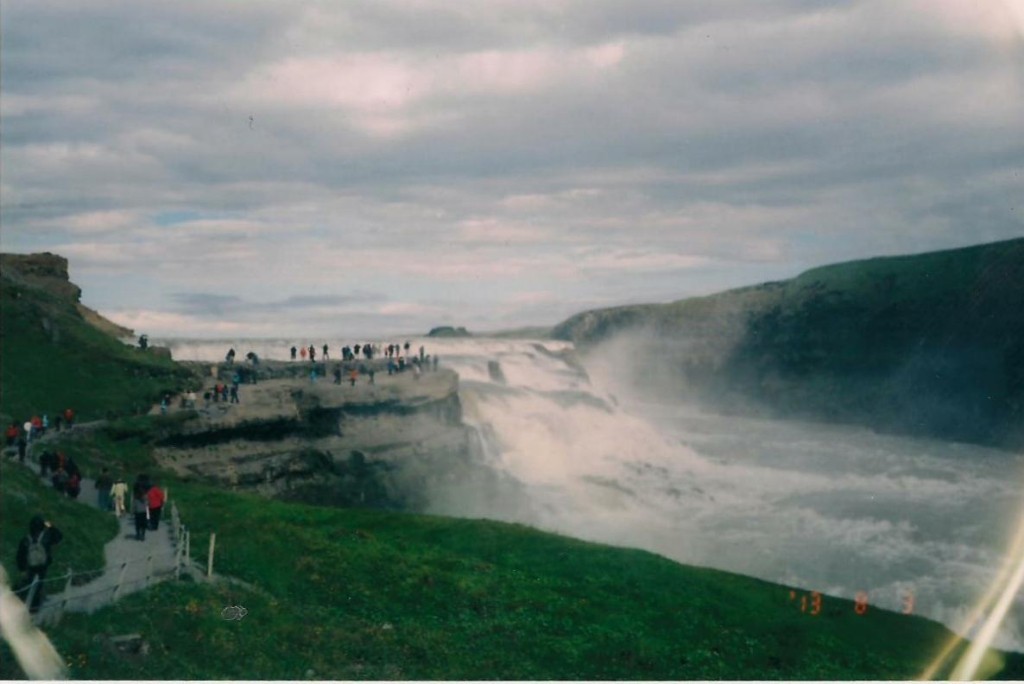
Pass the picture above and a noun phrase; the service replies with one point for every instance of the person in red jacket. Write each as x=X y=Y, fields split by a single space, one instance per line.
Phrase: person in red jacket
x=12 y=433
x=155 y=498
x=69 y=418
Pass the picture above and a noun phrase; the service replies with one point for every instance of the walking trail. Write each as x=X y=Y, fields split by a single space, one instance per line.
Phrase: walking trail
x=130 y=565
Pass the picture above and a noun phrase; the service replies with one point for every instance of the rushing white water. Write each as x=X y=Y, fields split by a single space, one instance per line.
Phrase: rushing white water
x=835 y=509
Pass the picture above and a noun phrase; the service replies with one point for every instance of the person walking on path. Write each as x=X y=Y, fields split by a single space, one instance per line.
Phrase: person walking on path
x=118 y=492
x=74 y=487
x=22 y=448
x=35 y=553
x=326 y=355
x=294 y=352
x=352 y=375
x=155 y=499
x=104 y=483
x=234 y=394
x=69 y=418
x=12 y=433
x=60 y=480
x=140 y=507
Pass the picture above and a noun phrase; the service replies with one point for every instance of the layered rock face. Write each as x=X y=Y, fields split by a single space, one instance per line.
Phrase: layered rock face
x=44 y=271
x=49 y=272
x=388 y=444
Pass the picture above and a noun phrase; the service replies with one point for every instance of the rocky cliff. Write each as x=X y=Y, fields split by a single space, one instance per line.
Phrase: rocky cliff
x=392 y=444
x=47 y=272
x=929 y=344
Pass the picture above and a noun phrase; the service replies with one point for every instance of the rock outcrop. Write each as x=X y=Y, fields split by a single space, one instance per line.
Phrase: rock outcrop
x=930 y=344
x=448 y=331
x=49 y=272
x=46 y=271
x=387 y=445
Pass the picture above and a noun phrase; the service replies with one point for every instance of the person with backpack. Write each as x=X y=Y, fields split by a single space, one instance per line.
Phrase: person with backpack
x=35 y=555
x=140 y=507
x=155 y=499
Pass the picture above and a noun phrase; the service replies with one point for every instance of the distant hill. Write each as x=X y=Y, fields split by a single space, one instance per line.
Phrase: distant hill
x=448 y=331
x=930 y=344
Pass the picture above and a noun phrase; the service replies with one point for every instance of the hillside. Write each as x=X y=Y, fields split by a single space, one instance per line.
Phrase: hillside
x=335 y=593
x=931 y=344
x=56 y=353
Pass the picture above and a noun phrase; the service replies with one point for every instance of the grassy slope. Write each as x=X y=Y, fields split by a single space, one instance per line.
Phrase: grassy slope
x=929 y=344
x=52 y=359
x=363 y=594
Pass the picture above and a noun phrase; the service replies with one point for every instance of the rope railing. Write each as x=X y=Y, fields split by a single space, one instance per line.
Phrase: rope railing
x=82 y=599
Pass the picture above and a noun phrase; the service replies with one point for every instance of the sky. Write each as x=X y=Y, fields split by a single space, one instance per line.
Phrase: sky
x=376 y=167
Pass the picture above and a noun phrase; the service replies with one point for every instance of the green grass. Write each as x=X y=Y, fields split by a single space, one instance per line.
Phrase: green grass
x=52 y=360
x=86 y=530
x=475 y=599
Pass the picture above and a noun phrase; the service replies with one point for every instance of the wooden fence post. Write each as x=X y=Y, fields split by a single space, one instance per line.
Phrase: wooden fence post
x=149 y=570
x=67 y=589
x=209 y=562
x=188 y=548
x=177 y=561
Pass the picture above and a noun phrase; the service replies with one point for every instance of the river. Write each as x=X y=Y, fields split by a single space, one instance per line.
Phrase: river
x=901 y=523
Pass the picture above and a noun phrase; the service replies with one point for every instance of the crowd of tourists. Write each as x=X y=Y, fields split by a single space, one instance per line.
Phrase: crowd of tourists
x=144 y=502
x=397 y=361
x=19 y=435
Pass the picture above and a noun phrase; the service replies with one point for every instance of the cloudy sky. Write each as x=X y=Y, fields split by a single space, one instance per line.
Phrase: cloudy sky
x=383 y=166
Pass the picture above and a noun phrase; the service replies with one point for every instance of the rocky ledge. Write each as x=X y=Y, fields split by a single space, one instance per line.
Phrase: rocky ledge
x=391 y=444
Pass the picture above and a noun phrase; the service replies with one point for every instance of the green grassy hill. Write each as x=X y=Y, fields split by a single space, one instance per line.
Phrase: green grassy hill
x=53 y=359
x=931 y=344
x=358 y=594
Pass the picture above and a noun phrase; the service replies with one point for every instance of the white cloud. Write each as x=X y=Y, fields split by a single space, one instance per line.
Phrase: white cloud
x=591 y=150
